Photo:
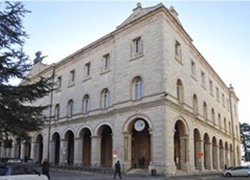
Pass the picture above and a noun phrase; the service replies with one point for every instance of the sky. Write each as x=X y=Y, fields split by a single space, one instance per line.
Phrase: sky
x=220 y=31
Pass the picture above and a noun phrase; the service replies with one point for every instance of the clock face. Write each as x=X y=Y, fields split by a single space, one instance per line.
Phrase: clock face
x=139 y=125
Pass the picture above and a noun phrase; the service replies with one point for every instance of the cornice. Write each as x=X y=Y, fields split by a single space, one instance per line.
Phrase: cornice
x=107 y=113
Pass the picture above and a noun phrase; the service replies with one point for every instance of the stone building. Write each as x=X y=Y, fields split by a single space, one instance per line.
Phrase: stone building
x=143 y=90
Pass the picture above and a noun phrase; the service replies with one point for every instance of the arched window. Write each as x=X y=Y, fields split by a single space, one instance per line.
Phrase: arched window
x=179 y=91
x=225 y=124
x=213 y=116
x=195 y=105
x=137 y=88
x=70 y=108
x=219 y=120
x=229 y=127
x=86 y=103
x=105 y=98
x=205 y=110
x=57 y=112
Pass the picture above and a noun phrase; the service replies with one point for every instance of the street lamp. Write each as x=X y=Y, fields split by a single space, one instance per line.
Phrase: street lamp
x=231 y=91
x=50 y=110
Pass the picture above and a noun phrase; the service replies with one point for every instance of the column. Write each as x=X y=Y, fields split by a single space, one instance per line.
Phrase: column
x=151 y=148
x=12 y=151
x=22 y=150
x=63 y=151
x=199 y=160
x=96 y=150
x=33 y=153
x=216 y=159
x=52 y=152
x=227 y=158
x=8 y=152
x=2 y=151
x=169 y=147
x=78 y=143
x=222 y=158
x=127 y=147
x=208 y=156
x=184 y=160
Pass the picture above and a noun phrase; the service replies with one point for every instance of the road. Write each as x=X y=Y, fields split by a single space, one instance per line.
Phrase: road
x=83 y=175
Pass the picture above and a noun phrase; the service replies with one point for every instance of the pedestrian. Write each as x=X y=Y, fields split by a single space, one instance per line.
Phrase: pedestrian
x=117 y=170
x=142 y=162
x=45 y=167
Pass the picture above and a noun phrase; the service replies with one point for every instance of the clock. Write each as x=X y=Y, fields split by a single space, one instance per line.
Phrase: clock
x=139 y=125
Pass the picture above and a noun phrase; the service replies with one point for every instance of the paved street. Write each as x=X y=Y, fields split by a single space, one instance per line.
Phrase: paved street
x=82 y=175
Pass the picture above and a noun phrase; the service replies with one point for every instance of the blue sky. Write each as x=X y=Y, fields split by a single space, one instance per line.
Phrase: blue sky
x=220 y=31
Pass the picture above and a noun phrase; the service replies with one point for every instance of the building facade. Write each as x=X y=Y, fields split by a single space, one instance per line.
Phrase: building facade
x=141 y=91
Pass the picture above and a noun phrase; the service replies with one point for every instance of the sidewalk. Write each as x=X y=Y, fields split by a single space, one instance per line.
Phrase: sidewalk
x=64 y=174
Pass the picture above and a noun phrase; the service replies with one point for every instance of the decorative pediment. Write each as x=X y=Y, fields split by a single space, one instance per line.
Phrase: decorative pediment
x=139 y=12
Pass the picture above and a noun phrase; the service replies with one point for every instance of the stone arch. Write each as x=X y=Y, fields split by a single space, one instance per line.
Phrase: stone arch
x=180 y=144
x=137 y=138
x=55 y=146
x=221 y=154
x=231 y=154
x=214 y=153
x=38 y=148
x=105 y=133
x=207 y=152
x=27 y=148
x=227 y=154
x=17 y=145
x=197 y=148
x=69 y=138
x=85 y=141
x=98 y=127
x=131 y=119
x=79 y=131
x=55 y=132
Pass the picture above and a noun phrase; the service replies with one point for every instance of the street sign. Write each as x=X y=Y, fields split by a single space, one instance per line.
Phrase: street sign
x=115 y=153
x=200 y=154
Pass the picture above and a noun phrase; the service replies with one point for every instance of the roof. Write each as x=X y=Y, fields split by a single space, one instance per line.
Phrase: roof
x=139 y=12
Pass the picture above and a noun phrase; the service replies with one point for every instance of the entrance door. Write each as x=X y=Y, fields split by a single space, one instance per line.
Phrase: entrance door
x=140 y=144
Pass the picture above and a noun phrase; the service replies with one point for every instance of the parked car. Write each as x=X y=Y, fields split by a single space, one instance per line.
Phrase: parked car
x=20 y=172
x=10 y=160
x=237 y=171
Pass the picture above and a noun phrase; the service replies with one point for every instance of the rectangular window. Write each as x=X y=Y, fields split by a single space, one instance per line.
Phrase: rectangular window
x=137 y=44
x=72 y=76
x=193 y=69
x=106 y=61
x=217 y=94
x=137 y=47
x=59 y=82
x=203 y=80
x=177 y=50
x=211 y=87
x=87 y=69
x=223 y=99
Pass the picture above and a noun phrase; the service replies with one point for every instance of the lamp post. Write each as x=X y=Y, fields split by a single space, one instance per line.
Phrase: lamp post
x=231 y=91
x=50 y=111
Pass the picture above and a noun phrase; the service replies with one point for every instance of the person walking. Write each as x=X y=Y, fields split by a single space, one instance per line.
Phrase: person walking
x=117 y=170
x=46 y=167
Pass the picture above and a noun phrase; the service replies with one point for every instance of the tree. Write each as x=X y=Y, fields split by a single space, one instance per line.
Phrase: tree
x=245 y=139
x=18 y=117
